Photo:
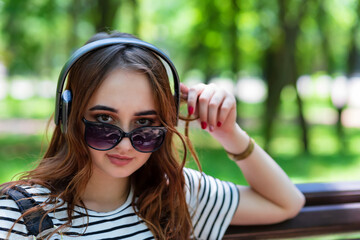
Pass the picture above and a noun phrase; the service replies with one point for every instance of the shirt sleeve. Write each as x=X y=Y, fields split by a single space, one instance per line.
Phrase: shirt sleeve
x=212 y=204
x=9 y=214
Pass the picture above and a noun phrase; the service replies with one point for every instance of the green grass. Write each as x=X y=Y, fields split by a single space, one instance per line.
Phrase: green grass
x=325 y=165
x=38 y=108
x=17 y=154
x=340 y=236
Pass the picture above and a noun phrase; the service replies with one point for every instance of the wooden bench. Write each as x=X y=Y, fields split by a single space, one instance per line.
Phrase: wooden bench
x=330 y=208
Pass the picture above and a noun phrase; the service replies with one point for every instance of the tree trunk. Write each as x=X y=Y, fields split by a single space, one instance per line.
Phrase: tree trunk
x=107 y=12
x=281 y=70
x=135 y=17
x=74 y=10
x=233 y=48
x=233 y=31
x=353 y=61
x=322 y=19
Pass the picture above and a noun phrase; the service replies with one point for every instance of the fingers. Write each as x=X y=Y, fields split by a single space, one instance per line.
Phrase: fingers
x=212 y=104
x=204 y=100
x=184 y=91
x=193 y=95
x=228 y=105
x=215 y=105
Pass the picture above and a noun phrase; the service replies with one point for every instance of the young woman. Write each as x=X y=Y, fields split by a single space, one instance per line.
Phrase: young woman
x=111 y=170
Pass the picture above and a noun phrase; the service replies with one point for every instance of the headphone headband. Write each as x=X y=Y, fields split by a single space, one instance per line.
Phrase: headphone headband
x=104 y=43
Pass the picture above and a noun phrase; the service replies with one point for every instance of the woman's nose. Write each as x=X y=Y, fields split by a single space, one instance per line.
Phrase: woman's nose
x=124 y=145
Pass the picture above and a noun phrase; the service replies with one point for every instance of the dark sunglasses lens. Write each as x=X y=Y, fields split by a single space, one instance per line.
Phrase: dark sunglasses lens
x=101 y=137
x=148 y=139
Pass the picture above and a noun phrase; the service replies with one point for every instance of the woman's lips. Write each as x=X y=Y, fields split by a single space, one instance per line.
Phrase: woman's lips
x=119 y=160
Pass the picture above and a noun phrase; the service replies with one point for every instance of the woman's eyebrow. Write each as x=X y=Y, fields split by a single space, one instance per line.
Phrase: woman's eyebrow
x=149 y=112
x=102 y=107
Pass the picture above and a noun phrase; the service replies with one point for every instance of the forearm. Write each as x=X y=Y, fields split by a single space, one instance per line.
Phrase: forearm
x=263 y=174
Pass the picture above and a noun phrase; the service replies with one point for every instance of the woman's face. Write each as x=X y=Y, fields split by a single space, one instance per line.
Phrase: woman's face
x=124 y=99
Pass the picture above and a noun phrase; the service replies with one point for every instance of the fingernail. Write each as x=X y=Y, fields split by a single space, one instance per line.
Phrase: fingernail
x=203 y=125
x=190 y=110
x=218 y=124
x=211 y=128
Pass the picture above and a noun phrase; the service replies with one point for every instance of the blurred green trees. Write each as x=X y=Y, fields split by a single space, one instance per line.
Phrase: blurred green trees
x=232 y=36
x=277 y=41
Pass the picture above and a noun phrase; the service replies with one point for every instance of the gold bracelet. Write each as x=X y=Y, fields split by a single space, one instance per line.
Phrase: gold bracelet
x=249 y=149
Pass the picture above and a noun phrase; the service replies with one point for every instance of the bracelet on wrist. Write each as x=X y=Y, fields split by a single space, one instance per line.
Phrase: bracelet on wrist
x=241 y=156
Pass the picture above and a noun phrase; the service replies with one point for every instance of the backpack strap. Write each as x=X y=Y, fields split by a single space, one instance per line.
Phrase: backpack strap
x=32 y=221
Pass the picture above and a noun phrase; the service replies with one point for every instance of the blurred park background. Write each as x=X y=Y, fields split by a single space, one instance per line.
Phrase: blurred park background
x=294 y=67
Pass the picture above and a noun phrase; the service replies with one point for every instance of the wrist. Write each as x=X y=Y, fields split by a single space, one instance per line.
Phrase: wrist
x=244 y=154
x=235 y=141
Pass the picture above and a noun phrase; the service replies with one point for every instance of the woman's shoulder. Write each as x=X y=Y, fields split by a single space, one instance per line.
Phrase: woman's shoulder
x=192 y=173
x=35 y=190
x=194 y=178
x=38 y=192
x=10 y=204
x=15 y=199
x=202 y=187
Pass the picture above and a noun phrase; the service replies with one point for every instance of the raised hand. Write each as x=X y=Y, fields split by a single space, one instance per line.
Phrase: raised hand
x=214 y=106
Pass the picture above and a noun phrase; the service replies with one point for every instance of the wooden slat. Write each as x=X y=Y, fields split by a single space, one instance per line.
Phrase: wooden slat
x=330 y=193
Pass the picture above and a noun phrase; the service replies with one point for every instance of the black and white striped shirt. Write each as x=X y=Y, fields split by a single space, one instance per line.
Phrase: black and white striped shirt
x=211 y=207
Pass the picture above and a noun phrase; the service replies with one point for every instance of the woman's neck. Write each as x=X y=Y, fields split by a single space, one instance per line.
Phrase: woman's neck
x=104 y=193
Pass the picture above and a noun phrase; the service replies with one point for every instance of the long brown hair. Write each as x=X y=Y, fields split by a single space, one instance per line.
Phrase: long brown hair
x=66 y=167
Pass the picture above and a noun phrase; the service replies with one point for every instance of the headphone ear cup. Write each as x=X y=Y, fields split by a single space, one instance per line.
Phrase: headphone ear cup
x=66 y=99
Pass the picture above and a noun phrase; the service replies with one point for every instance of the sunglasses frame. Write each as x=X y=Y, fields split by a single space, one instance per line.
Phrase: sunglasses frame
x=124 y=134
